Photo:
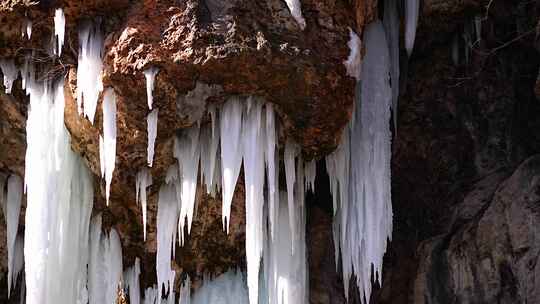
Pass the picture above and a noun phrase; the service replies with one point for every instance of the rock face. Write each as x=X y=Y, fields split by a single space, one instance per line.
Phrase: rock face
x=466 y=170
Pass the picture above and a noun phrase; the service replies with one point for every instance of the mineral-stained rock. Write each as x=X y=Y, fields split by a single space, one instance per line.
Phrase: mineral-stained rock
x=463 y=230
x=493 y=256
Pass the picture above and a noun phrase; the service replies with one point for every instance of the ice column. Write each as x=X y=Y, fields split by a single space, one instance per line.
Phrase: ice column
x=59 y=203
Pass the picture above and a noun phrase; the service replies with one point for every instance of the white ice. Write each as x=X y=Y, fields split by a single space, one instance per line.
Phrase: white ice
x=412 y=8
x=391 y=25
x=359 y=171
x=311 y=172
x=286 y=272
x=10 y=73
x=132 y=284
x=11 y=208
x=59 y=203
x=109 y=139
x=167 y=216
x=187 y=152
x=272 y=166
x=290 y=153
x=254 y=163
x=89 y=83
x=105 y=266
x=151 y=122
x=228 y=288
x=150 y=75
x=59 y=30
x=231 y=153
x=142 y=181
x=354 y=61
x=296 y=11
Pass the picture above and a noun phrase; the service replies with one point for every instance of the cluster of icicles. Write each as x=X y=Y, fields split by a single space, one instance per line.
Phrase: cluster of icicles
x=69 y=259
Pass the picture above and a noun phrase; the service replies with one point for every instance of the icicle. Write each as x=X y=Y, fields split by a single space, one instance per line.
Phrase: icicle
x=131 y=277
x=296 y=11
x=143 y=181
x=185 y=292
x=109 y=139
x=10 y=73
x=89 y=67
x=253 y=136
x=151 y=295
x=166 y=225
x=478 y=27
x=228 y=288
x=26 y=28
x=105 y=266
x=354 y=61
x=27 y=74
x=231 y=153
x=28 y=23
x=361 y=196
x=59 y=203
x=412 y=8
x=151 y=122
x=150 y=75
x=59 y=29
x=272 y=167
x=209 y=141
x=291 y=150
x=311 y=172
x=18 y=262
x=187 y=152
x=113 y=266
x=286 y=275
x=391 y=25
x=11 y=211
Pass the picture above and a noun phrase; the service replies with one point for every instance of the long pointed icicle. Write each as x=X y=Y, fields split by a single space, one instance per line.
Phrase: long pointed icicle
x=166 y=227
x=11 y=211
x=151 y=122
x=10 y=73
x=59 y=30
x=143 y=181
x=253 y=135
x=89 y=67
x=391 y=25
x=231 y=153
x=412 y=8
x=291 y=150
x=150 y=75
x=187 y=152
x=109 y=139
x=272 y=167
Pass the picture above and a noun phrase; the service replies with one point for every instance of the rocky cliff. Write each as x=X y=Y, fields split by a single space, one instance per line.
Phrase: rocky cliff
x=465 y=164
